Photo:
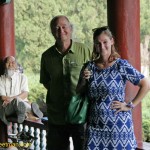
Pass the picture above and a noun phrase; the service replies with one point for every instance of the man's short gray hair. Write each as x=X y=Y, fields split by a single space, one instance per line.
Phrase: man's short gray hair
x=53 y=21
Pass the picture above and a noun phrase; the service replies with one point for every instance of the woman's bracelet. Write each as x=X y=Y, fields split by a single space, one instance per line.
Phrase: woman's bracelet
x=130 y=105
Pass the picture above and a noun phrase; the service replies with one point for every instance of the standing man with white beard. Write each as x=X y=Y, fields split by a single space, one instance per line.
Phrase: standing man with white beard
x=13 y=94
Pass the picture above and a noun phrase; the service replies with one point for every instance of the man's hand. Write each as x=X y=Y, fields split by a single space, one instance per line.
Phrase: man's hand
x=6 y=100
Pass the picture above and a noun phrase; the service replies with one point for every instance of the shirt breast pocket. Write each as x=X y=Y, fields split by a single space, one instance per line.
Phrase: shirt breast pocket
x=74 y=72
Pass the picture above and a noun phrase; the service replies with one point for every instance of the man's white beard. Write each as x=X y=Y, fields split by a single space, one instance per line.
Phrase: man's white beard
x=10 y=72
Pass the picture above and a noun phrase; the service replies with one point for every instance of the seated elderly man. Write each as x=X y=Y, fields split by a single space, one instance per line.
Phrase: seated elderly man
x=14 y=92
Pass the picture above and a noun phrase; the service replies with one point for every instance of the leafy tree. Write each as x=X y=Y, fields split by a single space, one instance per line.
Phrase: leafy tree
x=145 y=18
x=32 y=25
x=33 y=35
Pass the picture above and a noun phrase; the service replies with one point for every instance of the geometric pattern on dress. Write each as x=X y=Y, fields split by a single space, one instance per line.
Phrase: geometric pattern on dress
x=107 y=130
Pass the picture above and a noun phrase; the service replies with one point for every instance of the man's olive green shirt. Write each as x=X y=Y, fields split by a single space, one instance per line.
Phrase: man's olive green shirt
x=61 y=73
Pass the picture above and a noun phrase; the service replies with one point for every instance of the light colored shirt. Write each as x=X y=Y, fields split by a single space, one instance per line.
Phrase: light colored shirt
x=15 y=85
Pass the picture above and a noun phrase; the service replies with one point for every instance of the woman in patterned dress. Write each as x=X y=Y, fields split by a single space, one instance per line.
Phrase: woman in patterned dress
x=110 y=125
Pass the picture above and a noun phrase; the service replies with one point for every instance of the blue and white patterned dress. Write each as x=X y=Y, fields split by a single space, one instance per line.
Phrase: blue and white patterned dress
x=107 y=130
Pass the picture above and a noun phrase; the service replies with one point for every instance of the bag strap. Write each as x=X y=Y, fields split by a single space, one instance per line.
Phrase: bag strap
x=86 y=64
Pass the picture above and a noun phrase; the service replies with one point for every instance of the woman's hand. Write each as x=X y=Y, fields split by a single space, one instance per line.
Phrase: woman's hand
x=120 y=106
x=82 y=84
x=86 y=74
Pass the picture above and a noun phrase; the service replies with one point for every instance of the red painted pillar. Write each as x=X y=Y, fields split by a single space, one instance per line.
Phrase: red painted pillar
x=7 y=32
x=124 y=21
x=7 y=45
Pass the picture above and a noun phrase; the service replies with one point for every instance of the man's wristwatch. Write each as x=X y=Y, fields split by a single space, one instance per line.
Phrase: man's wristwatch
x=130 y=105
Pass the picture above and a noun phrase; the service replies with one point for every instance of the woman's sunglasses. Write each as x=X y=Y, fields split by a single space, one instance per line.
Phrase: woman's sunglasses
x=100 y=29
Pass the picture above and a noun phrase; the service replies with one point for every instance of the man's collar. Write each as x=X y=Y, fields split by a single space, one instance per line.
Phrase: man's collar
x=71 y=49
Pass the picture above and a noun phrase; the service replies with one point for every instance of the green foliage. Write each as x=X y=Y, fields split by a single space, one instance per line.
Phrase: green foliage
x=37 y=91
x=146 y=130
x=146 y=107
x=32 y=25
x=32 y=19
x=145 y=17
x=145 y=30
x=33 y=35
x=146 y=118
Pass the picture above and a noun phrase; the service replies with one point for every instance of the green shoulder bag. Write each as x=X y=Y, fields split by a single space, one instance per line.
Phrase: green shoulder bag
x=77 y=110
